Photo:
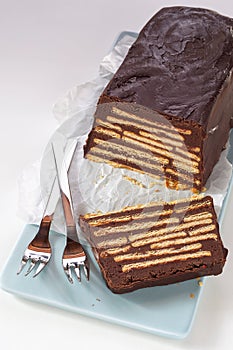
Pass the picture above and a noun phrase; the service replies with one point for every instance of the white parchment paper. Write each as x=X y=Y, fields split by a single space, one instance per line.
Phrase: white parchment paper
x=97 y=186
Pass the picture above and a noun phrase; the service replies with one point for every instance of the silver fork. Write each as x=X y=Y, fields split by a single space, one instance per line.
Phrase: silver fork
x=38 y=252
x=74 y=256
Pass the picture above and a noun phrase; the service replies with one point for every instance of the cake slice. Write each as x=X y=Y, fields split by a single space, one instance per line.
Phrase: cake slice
x=156 y=244
x=180 y=67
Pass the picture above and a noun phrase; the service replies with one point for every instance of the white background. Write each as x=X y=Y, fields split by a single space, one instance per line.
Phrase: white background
x=47 y=47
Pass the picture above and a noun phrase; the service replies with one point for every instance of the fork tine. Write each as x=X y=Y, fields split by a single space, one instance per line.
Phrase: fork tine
x=68 y=274
x=86 y=270
x=77 y=272
x=40 y=268
x=31 y=266
x=22 y=264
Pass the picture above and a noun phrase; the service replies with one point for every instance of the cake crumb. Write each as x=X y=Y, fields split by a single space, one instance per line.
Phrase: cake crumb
x=134 y=181
x=171 y=184
x=200 y=283
x=98 y=299
x=192 y=295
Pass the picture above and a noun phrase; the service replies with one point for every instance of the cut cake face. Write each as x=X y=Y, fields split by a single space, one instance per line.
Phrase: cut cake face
x=156 y=244
x=130 y=136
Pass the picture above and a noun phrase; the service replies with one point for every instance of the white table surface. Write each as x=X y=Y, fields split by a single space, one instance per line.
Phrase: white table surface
x=47 y=47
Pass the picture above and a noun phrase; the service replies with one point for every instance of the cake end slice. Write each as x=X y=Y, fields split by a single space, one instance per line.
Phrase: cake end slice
x=156 y=244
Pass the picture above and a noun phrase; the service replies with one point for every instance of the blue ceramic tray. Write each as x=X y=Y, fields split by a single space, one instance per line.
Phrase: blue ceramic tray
x=167 y=311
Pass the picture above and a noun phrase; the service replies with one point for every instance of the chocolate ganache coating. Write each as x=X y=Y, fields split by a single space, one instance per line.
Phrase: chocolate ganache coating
x=177 y=63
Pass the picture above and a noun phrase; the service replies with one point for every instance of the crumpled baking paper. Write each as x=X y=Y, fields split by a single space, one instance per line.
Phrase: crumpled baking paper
x=98 y=186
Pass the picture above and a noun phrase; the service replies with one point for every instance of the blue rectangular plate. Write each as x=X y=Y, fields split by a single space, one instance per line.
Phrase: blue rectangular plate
x=166 y=311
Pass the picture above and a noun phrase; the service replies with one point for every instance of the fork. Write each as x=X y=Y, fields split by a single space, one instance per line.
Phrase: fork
x=74 y=256
x=38 y=251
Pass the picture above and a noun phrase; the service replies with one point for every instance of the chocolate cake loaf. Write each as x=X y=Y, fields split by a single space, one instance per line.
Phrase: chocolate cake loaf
x=156 y=244
x=180 y=67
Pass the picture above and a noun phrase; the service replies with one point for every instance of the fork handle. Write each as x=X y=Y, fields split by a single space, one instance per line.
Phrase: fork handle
x=72 y=232
x=41 y=239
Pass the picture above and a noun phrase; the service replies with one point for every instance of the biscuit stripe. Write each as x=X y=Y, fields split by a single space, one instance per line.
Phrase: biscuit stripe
x=181 y=257
x=120 y=241
x=134 y=218
x=158 y=252
x=165 y=234
x=118 y=164
x=168 y=154
x=114 y=251
x=127 y=152
x=161 y=158
x=140 y=225
x=150 y=227
x=179 y=201
x=114 y=155
x=108 y=125
x=170 y=135
x=156 y=245
x=155 y=143
x=125 y=114
x=127 y=218
x=165 y=140
x=162 y=147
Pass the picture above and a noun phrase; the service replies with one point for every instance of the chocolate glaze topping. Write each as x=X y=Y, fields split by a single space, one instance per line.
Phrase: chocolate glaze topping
x=177 y=65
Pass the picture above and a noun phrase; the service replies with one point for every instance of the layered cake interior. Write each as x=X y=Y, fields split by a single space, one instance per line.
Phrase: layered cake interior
x=137 y=138
x=156 y=244
x=180 y=67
